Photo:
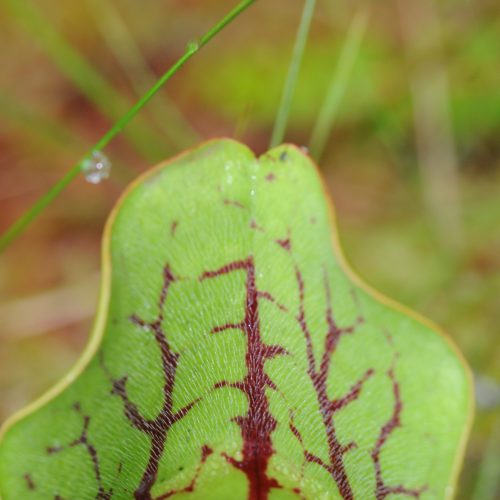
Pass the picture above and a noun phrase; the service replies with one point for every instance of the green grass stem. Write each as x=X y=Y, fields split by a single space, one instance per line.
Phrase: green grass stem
x=192 y=48
x=280 y=124
x=142 y=136
x=338 y=85
x=121 y=43
x=39 y=128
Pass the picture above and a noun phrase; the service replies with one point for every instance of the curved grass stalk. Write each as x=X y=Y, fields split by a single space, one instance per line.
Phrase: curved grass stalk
x=21 y=224
x=142 y=136
x=120 y=41
x=39 y=126
x=293 y=73
x=338 y=84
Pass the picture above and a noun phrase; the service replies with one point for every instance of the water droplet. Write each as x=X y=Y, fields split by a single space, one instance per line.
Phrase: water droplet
x=96 y=168
x=252 y=192
x=304 y=149
x=193 y=46
x=229 y=179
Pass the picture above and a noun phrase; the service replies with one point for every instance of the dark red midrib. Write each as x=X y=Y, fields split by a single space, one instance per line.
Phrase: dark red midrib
x=258 y=407
x=258 y=423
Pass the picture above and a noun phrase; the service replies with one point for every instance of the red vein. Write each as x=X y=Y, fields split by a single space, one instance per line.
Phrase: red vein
x=258 y=423
x=234 y=203
x=270 y=298
x=205 y=453
x=319 y=376
x=29 y=481
x=285 y=243
x=382 y=490
x=157 y=428
x=254 y=225
x=83 y=440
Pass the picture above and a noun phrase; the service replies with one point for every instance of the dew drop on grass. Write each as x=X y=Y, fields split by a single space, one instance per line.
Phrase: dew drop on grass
x=193 y=46
x=96 y=168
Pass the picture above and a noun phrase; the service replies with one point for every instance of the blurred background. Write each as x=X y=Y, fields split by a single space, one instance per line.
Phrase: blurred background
x=412 y=159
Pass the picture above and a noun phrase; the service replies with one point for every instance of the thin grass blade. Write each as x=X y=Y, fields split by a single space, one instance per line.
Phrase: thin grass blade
x=22 y=223
x=117 y=36
x=338 y=84
x=293 y=73
x=144 y=138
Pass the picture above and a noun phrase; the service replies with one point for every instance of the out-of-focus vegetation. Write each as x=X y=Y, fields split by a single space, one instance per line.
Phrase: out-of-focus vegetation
x=412 y=162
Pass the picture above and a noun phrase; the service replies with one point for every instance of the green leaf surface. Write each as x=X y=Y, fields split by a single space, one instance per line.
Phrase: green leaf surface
x=235 y=355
